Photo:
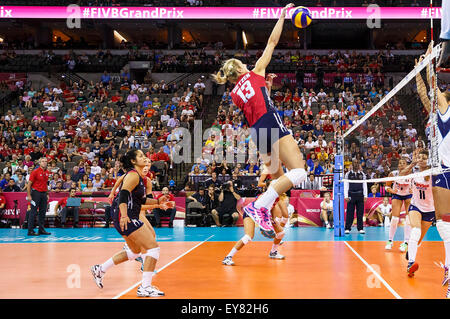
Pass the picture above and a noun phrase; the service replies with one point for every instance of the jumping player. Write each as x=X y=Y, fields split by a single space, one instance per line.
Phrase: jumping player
x=441 y=182
x=273 y=140
x=125 y=211
x=401 y=195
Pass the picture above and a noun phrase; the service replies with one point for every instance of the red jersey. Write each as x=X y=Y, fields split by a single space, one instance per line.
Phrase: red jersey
x=251 y=96
x=171 y=197
x=39 y=179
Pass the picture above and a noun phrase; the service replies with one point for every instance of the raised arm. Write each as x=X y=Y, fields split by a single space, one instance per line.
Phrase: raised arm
x=264 y=60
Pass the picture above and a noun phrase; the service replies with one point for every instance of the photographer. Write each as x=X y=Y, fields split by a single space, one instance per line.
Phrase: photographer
x=228 y=200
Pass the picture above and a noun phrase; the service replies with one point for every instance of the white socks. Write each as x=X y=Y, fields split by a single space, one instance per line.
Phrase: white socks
x=232 y=252
x=393 y=229
x=107 y=264
x=406 y=232
x=147 y=278
x=412 y=245
x=444 y=231
x=274 y=248
x=267 y=199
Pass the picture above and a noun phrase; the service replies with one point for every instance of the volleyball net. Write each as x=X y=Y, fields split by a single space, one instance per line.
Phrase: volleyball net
x=380 y=126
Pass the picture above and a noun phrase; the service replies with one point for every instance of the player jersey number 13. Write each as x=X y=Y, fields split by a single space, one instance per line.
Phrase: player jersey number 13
x=246 y=91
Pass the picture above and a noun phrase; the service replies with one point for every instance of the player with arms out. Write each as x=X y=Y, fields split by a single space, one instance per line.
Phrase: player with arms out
x=273 y=140
x=441 y=182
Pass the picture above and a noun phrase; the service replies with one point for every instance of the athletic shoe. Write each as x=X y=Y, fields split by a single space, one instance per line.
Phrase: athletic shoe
x=260 y=216
x=328 y=226
x=380 y=225
x=446 y=278
x=281 y=243
x=412 y=268
x=389 y=245
x=347 y=231
x=228 y=261
x=125 y=247
x=362 y=231
x=150 y=291
x=98 y=274
x=407 y=255
x=403 y=247
x=276 y=255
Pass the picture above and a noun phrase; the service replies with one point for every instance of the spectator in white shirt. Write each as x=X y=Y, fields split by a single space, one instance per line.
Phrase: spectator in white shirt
x=200 y=86
x=134 y=118
x=95 y=169
x=310 y=144
x=410 y=131
x=165 y=117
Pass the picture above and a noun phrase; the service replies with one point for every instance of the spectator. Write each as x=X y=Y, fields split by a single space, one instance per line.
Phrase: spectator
x=171 y=211
x=213 y=181
x=199 y=201
x=12 y=187
x=374 y=192
x=384 y=211
x=228 y=200
x=326 y=210
x=312 y=183
x=65 y=211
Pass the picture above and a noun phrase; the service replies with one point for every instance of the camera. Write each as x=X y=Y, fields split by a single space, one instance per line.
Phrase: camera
x=225 y=187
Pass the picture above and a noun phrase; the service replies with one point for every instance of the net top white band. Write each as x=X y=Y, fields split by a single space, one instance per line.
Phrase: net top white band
x=428 y=172
x=435 y=53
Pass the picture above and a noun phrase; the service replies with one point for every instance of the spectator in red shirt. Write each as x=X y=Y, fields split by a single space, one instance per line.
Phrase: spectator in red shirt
x=109 y=182
x=66 y=210
x=171 y=211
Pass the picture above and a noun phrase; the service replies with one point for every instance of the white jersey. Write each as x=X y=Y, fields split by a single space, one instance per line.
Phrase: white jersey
x=402 y=187
x=327 y=206
x=385 y=209
x=422 y=194
x=443 y=137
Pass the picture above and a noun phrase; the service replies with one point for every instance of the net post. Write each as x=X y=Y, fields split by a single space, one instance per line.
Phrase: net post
x=338 y=190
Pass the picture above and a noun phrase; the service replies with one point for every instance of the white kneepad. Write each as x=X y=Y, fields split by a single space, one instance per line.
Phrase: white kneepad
x=154 y=253
x=296 y=176
x=246 y=239
x=131 y=255
x=444 y=230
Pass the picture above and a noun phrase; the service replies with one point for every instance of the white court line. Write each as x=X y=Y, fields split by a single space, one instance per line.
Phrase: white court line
x=396 y=295
x=165 y=266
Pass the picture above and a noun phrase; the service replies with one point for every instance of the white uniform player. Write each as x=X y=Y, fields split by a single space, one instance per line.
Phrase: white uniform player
x=422 y=197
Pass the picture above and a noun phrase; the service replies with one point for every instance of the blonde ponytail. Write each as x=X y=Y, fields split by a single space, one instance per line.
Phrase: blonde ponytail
x=230 y=71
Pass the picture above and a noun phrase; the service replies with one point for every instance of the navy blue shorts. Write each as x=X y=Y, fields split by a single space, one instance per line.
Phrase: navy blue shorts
x=267 y=130
x=132 y=226
x=244 y=216
x=442 y=180
x=428 y=216
x=400 y=197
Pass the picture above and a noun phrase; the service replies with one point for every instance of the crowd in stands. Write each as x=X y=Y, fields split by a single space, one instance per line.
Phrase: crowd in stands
x=82 y=128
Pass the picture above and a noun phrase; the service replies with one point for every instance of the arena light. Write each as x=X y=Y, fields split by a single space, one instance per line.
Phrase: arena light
x=1 y=40
x=119 y=36
x=244 y=38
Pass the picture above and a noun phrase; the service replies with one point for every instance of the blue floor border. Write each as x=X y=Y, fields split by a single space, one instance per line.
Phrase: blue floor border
x=187 y=234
